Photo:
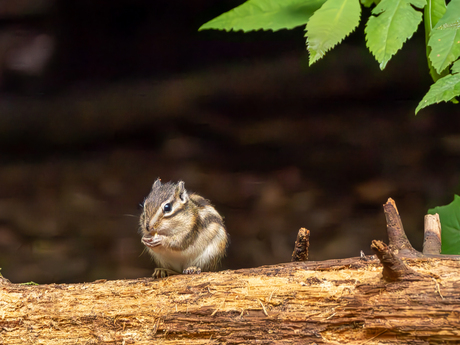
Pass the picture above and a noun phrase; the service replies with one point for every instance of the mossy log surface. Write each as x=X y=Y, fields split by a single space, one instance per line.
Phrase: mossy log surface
x=328 y=302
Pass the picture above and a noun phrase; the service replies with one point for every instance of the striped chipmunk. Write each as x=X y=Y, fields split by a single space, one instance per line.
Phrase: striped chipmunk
x=182 y=231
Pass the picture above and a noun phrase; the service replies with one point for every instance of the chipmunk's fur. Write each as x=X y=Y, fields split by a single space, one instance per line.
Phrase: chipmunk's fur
x=183 y=232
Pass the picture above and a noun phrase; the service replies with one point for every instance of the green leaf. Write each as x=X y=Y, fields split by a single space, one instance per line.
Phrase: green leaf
x=454 y=25
x=445 y=38
x=445 y=48
x=434 y=10
x=367 y=3
x=456 y=67
x=392 y=23
x=443 y=90
x=328 y=26
x=265 y=15
x=450 y=226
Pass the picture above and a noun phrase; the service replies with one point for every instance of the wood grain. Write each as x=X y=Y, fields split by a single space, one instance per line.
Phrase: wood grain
x=334 y=301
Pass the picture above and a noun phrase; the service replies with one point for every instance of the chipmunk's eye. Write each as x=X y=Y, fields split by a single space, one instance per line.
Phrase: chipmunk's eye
x=167 y=207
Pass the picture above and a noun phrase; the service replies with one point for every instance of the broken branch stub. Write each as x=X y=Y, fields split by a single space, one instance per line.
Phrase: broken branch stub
x=394 y=269
x=302 y=243
x=432 y=235
x=397 y=238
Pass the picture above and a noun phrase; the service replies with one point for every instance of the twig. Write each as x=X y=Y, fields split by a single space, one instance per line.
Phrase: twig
x=394 y=268
x=398 y=241
x=432 y=235
x=302 y=243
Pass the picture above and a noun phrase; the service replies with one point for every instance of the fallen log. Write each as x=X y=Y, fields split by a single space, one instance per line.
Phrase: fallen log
x=415 y=300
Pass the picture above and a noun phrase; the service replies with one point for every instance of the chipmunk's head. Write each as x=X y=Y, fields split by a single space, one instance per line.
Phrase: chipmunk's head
x=164 y=208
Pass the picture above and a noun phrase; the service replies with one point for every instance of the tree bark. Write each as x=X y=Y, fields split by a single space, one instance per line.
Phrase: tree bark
x=328 y=302
x=398 y=296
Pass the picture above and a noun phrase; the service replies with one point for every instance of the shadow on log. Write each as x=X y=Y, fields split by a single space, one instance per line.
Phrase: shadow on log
x=414 y=301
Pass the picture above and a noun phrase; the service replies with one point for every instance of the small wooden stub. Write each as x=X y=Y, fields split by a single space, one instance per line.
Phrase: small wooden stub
x=302 y=243
x=393 y=203
x=394 y=269
x=397 y=238
x=432 y=236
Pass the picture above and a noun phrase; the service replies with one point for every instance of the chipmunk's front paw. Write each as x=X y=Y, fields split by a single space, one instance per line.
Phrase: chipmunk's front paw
x=192 y=270
x=163 y=273
x=152 y=241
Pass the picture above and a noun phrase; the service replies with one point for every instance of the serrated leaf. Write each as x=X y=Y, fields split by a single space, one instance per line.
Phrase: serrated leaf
x=445 y=42
x=393 y=23
x=445 y=48
x=450 y=226
x=456 y=67
x=434 y=10
x=329 y=25
x=443 y=90
x=265 y=15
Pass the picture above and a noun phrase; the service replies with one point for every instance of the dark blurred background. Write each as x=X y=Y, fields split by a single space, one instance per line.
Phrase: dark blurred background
x=99 y=98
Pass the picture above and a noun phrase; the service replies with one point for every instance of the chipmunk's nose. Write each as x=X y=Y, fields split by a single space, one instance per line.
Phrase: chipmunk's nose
x=151 y=231
x=151 y=226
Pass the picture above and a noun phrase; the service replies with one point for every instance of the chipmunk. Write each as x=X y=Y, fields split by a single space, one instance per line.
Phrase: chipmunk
x=183 y=232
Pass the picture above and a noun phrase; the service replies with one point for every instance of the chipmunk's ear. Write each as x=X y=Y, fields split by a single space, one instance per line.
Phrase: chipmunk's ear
x=181 y=193
x=157 y=183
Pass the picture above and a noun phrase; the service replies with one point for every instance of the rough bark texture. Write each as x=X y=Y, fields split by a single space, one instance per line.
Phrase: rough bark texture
x=301 y=245
x=328 y=302
x=397 y=238
x=394 y=269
